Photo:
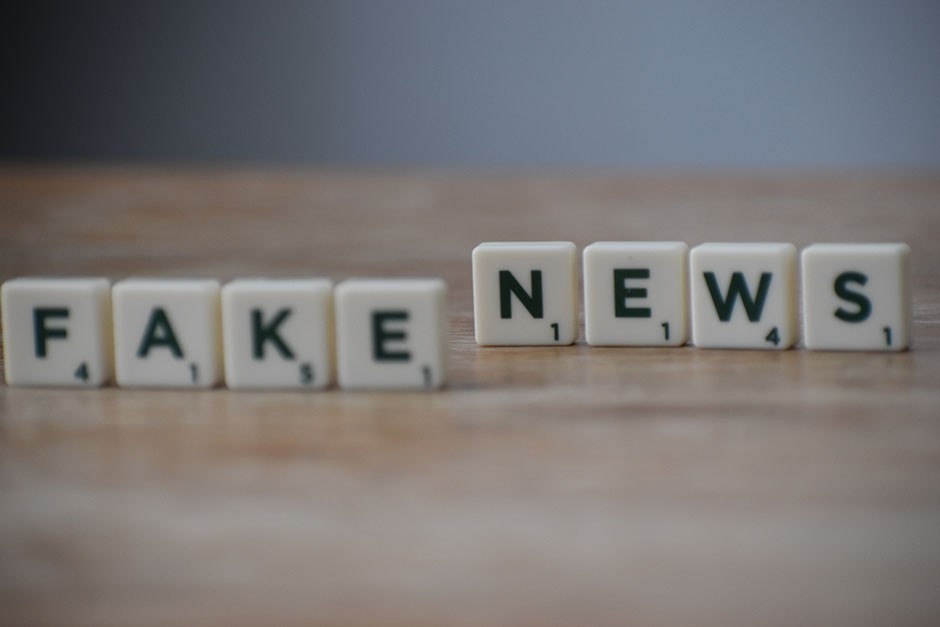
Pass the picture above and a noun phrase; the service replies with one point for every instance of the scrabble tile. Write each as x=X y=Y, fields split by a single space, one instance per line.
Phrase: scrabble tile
x=635 y=293
x=167 y=333
x=278 y=333
x=57 y=332
x=391 y=333
x=525 y=293
x=743 y=295
x=856 y=297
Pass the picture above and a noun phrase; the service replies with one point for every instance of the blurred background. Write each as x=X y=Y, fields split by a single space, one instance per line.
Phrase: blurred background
x=641 y=83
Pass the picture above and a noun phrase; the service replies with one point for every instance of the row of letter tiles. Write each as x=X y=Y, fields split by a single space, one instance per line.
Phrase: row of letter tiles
x=259 y=333
x=855 y=296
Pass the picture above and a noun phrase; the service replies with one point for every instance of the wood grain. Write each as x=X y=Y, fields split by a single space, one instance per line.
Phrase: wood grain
x=546 y=486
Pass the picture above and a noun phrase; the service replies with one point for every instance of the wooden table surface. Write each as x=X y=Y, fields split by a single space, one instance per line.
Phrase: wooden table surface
x=546 y=486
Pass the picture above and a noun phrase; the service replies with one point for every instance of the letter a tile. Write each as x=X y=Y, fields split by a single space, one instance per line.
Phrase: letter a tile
x=167 y=333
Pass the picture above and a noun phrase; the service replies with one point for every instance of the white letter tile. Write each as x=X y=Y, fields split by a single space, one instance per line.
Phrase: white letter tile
x=856 y=297
x=167 y=333
x=525 y=293
x=57 y=332
x=278 y=333
x=743 y=296
x=391 y=333
x=635 y=293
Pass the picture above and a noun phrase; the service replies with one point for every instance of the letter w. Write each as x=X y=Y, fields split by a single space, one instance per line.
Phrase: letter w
x=724 y=305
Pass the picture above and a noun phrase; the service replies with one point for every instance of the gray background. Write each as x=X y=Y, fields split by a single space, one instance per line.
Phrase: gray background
x=668 y=83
